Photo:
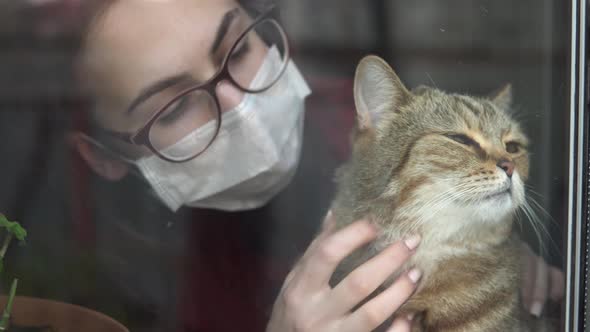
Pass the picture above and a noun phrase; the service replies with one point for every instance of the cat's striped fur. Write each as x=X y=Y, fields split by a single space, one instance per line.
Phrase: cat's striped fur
x=451 y=168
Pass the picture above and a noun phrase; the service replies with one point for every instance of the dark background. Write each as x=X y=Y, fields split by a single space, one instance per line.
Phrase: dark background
x=468 y=46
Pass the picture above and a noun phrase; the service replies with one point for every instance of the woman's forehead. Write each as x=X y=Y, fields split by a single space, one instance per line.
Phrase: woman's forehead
x=136 y=42
x=132 y=18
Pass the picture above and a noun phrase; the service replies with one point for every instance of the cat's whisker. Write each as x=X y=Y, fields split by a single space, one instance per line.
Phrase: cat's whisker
x=526 y=210
x=431 y=80
x=530 y=189
x=426 y=209
x=408 y=212
x=440 y=201
x=523 y=217
x=539 y=207
x=540 y=223
x=539 y=228
x=460 y=192
x=519 y=218
x=542 y=210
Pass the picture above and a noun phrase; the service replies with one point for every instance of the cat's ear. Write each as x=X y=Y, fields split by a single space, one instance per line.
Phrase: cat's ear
x=377 y=91
x=503 y=97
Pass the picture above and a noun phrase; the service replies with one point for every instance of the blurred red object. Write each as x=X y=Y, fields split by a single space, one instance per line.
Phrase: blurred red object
x=57 y=17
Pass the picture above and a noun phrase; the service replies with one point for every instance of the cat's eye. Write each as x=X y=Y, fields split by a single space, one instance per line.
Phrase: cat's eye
x=463 y=139
x=512 y=147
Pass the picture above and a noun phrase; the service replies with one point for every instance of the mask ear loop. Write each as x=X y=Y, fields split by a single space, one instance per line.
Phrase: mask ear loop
x=115 y=155
x=133 y=170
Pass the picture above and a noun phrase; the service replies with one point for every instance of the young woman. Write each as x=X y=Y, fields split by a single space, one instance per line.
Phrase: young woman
x=201 y=101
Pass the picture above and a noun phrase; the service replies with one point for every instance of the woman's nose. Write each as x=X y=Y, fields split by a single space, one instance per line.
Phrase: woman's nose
x=229 y=96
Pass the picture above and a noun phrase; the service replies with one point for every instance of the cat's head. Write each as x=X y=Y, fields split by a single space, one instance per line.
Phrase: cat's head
x=433 y=153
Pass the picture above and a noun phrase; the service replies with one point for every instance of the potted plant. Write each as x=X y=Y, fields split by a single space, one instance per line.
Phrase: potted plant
x=28 y=314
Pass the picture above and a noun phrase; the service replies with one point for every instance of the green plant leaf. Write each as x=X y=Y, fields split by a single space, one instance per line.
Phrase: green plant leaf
x=19 y=232
x=5 y=319
x=13 y=227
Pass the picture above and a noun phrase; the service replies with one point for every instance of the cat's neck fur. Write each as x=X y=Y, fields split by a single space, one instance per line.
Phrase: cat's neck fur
x=446 y=234
x=451 y=235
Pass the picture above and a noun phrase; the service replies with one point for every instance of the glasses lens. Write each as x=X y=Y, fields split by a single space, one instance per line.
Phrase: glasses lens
x=259 y=57
x=187 y=127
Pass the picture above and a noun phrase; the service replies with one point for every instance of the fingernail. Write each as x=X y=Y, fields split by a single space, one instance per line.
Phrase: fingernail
x=415 y=275
x=413 y=242
x=536 y=309
x=327 y=218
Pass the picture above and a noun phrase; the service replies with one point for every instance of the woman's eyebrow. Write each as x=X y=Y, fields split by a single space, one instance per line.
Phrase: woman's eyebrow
x=160 y=85
x=226 y=21
x=155 y=88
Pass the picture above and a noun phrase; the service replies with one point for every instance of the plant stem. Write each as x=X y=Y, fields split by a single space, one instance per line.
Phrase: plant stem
x=5 y=245
x=5 y=322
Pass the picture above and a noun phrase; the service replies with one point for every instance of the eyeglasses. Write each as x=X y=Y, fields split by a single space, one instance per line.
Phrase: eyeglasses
x=187 y=125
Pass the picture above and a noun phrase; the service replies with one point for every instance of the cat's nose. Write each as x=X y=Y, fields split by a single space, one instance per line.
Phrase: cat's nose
x=507 y=166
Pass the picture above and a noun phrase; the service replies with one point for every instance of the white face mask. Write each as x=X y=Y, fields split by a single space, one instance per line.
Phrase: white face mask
x=253 y=157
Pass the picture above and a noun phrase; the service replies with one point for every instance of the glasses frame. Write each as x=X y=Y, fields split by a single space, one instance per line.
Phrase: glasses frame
x=141 y=137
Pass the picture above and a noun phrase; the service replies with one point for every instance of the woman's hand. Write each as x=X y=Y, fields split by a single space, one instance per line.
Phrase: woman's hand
x=308 y=303
x=540 y=281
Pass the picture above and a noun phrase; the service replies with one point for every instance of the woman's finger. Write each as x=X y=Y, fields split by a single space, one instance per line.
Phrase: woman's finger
x=377 y=310
x=528 y=277
x=328 y=226
x=401 y=324
x=329 y=222
x=326 y=254
x=365 y=279
x=541 y=287
x=557 y=284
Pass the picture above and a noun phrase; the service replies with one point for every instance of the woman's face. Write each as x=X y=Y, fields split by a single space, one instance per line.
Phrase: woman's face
x=155 y=48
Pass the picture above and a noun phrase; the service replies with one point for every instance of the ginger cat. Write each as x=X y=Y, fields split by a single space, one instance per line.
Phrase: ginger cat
x=451 y=168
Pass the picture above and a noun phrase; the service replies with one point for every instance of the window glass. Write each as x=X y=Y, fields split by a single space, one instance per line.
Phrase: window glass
x=174 y=161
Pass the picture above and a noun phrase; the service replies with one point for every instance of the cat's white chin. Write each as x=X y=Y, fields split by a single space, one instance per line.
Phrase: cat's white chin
x=496 y=206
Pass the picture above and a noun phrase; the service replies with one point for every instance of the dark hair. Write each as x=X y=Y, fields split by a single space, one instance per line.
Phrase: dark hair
x=40 y=46
x=49 y=38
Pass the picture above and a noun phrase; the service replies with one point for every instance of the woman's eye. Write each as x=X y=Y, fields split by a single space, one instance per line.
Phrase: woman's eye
x=463 y=139
x=512 y=147
x=174 y=112
x=242 y=49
